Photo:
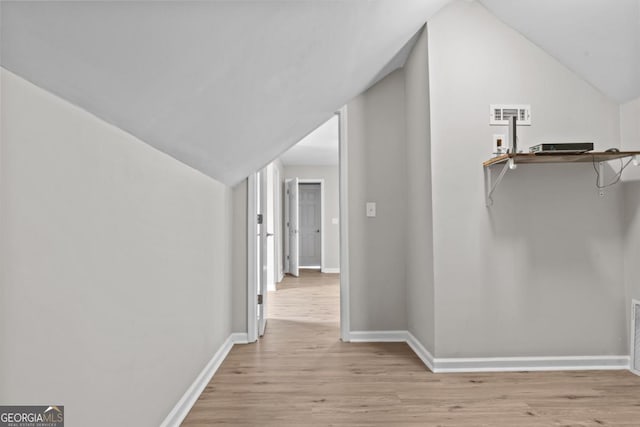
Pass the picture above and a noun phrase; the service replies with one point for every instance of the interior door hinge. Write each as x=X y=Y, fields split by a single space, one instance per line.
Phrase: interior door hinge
x=259 y=218
x=259 y=298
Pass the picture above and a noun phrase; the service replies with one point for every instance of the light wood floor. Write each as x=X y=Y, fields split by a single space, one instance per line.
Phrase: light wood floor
x=300 y=374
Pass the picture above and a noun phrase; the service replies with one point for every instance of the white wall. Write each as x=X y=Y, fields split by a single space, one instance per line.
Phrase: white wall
x=377 y=163
x=391 y=256
x=115 y=265
x=540 y=272
x=630 y=136
x=332 y=207
x=630 y=125
x=419 y=250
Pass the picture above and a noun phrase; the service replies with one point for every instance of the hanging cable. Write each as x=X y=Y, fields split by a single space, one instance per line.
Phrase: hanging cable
x=617 y=176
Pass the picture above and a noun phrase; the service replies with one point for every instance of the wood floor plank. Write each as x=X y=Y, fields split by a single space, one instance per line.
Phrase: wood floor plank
x=301 y=374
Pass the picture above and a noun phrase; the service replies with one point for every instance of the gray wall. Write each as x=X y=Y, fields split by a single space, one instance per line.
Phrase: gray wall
x=540 y=272
x=632 y=241
x=115 y=264
x=391 y=256
x=630 y=136
x=332 y=206
x=377 y=173
x=419 y=250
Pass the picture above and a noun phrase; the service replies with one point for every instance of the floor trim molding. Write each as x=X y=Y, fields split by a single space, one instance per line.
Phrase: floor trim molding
x=239 y=338
x=514 y=364
x=186 y=402
x=420 y=351
x=330 y=270
x=493 y=364
x=378 y=336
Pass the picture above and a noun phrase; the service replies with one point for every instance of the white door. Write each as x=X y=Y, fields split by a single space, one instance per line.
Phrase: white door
x=286 y=241
x=263 y=240
x=292 y=227
x=277 y=227
x=269 y=220
x=310 y=212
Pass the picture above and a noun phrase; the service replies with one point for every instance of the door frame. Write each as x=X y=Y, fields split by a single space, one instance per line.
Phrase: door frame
x=343 y=184
x=263 y=264
x=256 y=272
x=252 y=258
x=321 y=182
x=271 y=218
x=252 y=230
x=290 y=182
x=278 y=241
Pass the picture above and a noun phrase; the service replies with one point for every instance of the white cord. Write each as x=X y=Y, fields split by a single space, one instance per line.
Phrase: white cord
x=617 y=175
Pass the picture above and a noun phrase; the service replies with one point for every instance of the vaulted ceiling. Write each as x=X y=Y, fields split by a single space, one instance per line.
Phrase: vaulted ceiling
x=227 y=86
x=597 y=39
x=224 y=86
x=319 y=148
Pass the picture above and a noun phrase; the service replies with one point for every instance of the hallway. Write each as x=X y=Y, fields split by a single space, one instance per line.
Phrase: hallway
x=301 y=374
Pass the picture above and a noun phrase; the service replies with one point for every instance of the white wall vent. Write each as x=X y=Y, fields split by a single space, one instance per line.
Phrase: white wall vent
x=635 y=337
x=499 y=114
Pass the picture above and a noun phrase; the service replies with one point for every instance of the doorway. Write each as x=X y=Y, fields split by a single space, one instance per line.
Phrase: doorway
x=320 y=233
x=311 y=212
x=305 y=221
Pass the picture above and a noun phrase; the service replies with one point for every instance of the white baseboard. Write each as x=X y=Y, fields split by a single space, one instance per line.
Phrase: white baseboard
x=493 y=364
x=420 y=351
x=513 y=364
x=239 y=338
x=331 y=270
x=182 y=408
x=378 y=336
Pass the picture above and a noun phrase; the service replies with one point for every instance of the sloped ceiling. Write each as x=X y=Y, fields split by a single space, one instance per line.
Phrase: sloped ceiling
x=597 y=39
x=319 y=148
x=224 y=86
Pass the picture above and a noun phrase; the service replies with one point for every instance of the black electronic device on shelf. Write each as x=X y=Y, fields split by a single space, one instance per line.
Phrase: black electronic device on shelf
x=562 y=148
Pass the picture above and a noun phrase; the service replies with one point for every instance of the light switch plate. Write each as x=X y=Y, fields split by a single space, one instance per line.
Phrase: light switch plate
x=371 y=209
x=500 y=144
x=334 y=221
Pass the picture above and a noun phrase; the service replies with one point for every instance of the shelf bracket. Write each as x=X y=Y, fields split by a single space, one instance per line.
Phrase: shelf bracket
x=489 y=186
x=601 y=179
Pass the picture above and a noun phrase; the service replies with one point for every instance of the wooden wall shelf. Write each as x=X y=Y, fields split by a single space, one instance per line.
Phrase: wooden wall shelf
x=561 y=158
x=511 y=160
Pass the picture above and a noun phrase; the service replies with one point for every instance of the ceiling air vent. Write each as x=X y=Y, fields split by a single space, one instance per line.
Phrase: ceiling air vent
x=499 y=114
